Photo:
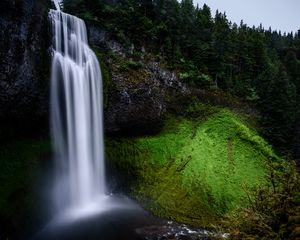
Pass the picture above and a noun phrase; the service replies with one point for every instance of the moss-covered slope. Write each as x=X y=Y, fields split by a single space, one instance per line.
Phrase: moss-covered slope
x=194 y=171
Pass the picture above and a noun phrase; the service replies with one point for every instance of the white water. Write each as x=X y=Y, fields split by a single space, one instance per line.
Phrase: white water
x=76 y=115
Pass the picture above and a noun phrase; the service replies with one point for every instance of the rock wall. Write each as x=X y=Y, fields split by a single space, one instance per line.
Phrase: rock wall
x=24 y=65
x=140 y=89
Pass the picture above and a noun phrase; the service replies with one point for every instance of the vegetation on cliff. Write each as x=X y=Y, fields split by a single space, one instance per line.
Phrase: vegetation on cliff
x=195 y=170
x=208 y=167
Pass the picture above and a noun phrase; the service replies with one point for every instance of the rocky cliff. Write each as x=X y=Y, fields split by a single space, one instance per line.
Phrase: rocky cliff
x=139 y=89
x=138 y=92
x=24 y=65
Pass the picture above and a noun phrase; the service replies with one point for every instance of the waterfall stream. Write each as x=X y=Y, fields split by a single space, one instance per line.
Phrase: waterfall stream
x=76 y=114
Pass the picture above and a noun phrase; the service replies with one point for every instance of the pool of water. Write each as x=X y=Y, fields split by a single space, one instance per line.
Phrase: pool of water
x=123 y=219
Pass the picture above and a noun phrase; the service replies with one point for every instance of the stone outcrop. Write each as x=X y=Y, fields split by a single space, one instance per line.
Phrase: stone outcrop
x=139 y=90
x=137 y=100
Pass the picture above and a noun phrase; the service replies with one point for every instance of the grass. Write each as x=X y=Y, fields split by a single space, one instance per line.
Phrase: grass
x=194 y=171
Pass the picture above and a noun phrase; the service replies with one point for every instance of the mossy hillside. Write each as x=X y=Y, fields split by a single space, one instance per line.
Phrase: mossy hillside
x=194 y=171
x=19 y=164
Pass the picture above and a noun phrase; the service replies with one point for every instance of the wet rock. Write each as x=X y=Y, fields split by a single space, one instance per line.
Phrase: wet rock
x=168 y=230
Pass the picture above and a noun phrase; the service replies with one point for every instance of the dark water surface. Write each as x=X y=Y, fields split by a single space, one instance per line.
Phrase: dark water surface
x=125 y=221
x=112 y=225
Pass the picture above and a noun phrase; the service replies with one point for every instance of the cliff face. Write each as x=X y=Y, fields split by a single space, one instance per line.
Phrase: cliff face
x=24 y=64
x=139 y=91
x=138 y=99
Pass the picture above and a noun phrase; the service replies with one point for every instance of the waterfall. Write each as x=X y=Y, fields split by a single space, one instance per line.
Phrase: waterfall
x=76 y=114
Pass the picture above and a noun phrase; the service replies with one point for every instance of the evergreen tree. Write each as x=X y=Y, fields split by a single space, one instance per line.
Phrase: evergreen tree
x=279 y=108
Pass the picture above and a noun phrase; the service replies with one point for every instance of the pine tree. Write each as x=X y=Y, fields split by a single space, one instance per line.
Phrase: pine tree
x=279 y=108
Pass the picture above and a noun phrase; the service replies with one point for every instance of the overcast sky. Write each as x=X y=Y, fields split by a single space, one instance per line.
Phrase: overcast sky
x=281 y=15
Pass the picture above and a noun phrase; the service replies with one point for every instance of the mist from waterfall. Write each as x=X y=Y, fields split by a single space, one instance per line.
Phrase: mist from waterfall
x=76 y=114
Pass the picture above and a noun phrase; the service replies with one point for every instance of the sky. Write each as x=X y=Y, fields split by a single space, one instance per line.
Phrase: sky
x=283 y=15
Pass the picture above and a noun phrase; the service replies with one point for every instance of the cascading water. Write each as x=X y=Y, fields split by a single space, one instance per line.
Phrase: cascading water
x=76 y=114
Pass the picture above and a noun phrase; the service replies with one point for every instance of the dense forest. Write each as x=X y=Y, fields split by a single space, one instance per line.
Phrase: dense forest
x=259 y=66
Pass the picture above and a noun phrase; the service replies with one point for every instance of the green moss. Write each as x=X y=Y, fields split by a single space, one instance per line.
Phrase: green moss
x=194 y=171
x=106 y=77
x=19 y=163
x=134 y=65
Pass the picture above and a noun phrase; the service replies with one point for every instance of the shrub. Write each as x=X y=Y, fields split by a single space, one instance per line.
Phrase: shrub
x=274 y=210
